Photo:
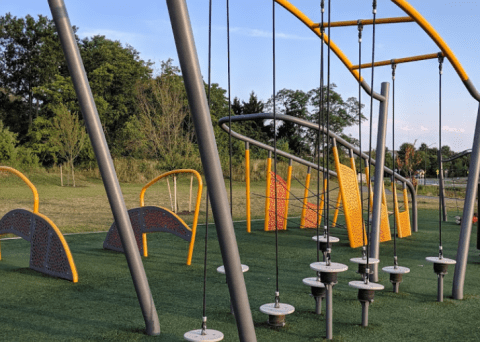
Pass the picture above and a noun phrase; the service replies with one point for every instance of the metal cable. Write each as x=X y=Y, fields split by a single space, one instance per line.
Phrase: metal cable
x=360 y=29
x=275 y=149
x=328 y=258
x=371 y=126
x=440 y=195
x=206 y=210
x=394 y=181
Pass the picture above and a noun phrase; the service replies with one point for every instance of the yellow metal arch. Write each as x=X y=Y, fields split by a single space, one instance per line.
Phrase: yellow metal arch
x=410 y=11
x=27 y=181
x=195 y=216
x=314 y=27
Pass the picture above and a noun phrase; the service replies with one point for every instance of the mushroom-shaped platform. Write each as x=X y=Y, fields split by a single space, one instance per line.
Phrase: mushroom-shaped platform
x=209 y=335
x=276 y=315
x=396 y=273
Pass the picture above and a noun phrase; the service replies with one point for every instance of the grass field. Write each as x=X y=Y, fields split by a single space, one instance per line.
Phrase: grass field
x=103 y=304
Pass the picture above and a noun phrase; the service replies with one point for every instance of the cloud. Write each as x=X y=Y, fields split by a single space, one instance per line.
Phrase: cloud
x=424 y=128
x=451 y=129
x=406 y=128
x=256 y=33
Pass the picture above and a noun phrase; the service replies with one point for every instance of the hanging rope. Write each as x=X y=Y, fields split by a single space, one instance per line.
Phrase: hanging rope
x=204 y=318
x=374 y=11
x=277 y=291
x=394 y=182
x=229 y=109
x=440 y=195
x=320 y=124
x=329 y=250
x=360 y=29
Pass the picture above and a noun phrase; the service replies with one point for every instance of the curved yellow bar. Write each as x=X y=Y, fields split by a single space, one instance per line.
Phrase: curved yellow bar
x=27 y=181
x=425 y=25
x=314 y=27
x=197 y=207
x=65 y=247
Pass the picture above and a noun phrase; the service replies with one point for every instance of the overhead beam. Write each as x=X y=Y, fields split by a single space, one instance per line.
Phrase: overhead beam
x=395 y=20
x=399 y=60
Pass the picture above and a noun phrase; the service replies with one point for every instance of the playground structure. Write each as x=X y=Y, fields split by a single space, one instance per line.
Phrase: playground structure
x=349 y=191
x=150 y=219
x=210 y=160
x=49 y=252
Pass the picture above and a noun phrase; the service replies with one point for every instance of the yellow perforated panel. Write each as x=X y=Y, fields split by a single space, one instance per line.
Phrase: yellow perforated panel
x=385 y=234
x=352 y=206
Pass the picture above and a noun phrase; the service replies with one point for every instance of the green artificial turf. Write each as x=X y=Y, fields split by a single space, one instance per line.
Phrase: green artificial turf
x=103 y=304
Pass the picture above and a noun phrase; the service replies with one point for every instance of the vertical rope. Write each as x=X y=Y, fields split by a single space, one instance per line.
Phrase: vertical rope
x=394 y=181
x=320 y=124
x=275 y=148
x=322 y=72
x=360 y=29
x=328 y=136
x=371 y=126
x=204 y=324
x=229 y=109
x=440 y=195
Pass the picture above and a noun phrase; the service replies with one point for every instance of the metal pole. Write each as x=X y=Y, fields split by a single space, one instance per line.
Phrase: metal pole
x=440 y=288
x=105 y=164
x=182 y=31
x=468 y=210
x=365 y=305
x=378 y=185
x=329 y=311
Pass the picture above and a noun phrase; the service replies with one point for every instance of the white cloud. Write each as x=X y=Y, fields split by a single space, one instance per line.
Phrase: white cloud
x=424 y=128
x=406 y=128
x=451 y=129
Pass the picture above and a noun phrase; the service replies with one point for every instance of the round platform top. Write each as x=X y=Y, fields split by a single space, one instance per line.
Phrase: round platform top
x=211 y=335
x=334 y=267
x=313 y=282
x=362 y=261
x=221 y=269
x=358 y=284
x=270 y=309
x=322 y=238
x=444 y=261
x=398 y=270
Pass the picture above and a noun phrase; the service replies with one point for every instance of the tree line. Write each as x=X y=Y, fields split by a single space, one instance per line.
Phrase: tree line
x=143 y=108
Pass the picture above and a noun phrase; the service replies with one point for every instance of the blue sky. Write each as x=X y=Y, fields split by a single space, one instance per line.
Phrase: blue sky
x=145 y=25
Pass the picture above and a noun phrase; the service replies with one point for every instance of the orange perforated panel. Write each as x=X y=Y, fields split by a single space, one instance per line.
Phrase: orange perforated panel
x=311 y=216
x=281 y=202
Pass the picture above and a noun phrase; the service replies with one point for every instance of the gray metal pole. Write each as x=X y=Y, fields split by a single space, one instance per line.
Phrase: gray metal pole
x=374 y=241
x=197 y=99
x=441 y=187
x=329 y=311
x=468 y=210
x=105 y=164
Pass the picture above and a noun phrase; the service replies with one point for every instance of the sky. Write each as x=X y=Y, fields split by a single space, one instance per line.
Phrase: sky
x=145 y=25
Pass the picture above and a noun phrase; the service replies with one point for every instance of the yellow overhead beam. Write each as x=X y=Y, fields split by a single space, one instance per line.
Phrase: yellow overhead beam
x=367 y=22
x=306 y=20
x=399 y=60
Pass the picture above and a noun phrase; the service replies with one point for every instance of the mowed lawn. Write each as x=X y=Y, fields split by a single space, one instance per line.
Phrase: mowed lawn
x=103 y=304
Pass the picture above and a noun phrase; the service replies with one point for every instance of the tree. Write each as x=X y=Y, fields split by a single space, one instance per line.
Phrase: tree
x=68 y=134
x=408 y=160
x=293 y=103
x=30 y=55
x=162 y=111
